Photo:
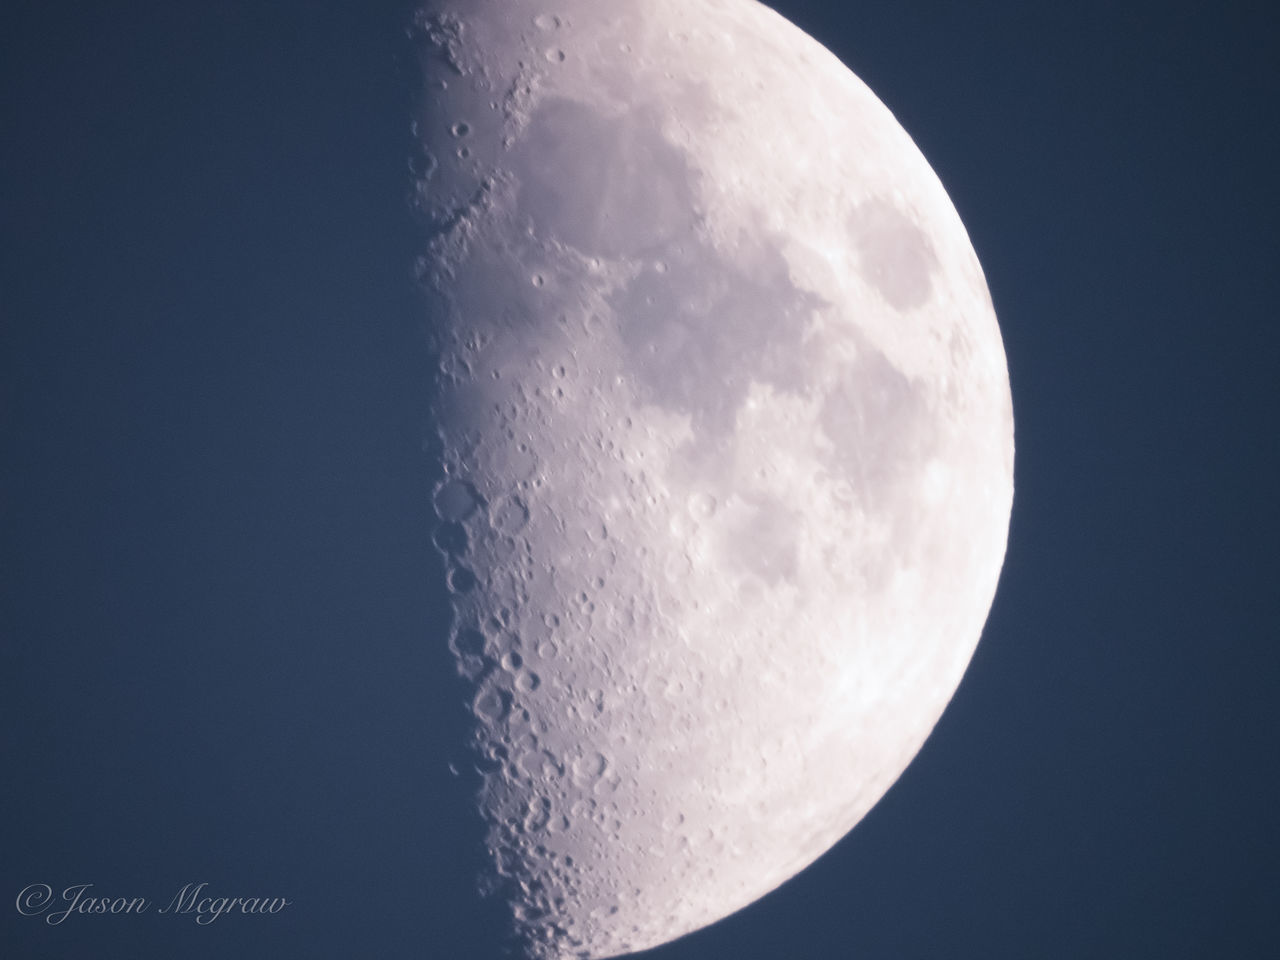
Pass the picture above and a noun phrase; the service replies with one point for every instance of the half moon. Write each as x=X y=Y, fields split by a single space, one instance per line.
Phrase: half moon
x=728 y=448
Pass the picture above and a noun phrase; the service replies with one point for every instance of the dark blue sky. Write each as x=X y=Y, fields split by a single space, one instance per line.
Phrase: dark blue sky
x=221 y=651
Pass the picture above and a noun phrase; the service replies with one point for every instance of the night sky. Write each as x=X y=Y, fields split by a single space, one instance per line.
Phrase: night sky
x=222 y=622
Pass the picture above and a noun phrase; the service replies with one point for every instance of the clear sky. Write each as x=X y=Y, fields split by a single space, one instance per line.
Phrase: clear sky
x=221 y=620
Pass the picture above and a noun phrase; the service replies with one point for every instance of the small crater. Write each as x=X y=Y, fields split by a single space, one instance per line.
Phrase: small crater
x=422 y=164
x=537 y=815
x=540 y=765
x=461 y=580
x=492 y=705
x=468 y=642
x=450 y=538
x=702 y=506
x=528 y=682
x=589 y=768
x=518 y=462
x=456 y=500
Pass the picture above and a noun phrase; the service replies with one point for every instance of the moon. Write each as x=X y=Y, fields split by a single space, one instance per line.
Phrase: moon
x=727 y=445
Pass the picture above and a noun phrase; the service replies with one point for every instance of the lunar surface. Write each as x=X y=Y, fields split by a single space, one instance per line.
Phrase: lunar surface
x=727 y=449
